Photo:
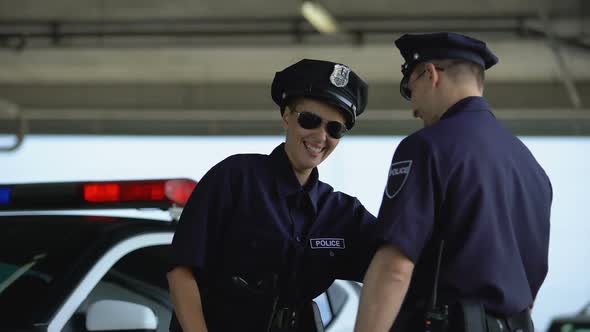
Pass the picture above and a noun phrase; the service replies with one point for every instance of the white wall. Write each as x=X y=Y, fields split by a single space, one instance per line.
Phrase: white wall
x=359 y=167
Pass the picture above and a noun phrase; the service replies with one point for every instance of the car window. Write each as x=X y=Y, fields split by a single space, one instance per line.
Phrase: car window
x=331 y=302
x=337 y=296
x=325 y=309
x=35 y=258
x=139 y=277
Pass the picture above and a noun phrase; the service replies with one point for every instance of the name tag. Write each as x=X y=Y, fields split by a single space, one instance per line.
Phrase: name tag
x=327 y=243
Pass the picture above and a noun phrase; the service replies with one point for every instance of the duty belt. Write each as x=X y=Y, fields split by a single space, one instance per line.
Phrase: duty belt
x=520 y=322
x=467 y=316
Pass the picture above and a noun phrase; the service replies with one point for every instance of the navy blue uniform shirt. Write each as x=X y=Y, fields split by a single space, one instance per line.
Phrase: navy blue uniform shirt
x=468 y=178
x=250 y=217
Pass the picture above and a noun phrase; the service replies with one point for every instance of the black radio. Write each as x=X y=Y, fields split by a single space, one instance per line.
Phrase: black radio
x=437 y=317
x=437 y=320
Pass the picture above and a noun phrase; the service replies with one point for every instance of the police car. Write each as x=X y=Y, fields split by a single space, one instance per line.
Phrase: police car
x=74 y=271
x=576 y=323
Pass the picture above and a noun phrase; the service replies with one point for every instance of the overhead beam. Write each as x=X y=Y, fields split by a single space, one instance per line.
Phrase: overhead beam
x=520 y=60
x=233 y=31
x=254 y=96
x=393 y=122
x=528 y=108
x=267 y=115
x=565 y=74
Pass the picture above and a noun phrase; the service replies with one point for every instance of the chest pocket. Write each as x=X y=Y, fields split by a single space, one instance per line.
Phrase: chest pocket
x=251 y=251
x=328 y=253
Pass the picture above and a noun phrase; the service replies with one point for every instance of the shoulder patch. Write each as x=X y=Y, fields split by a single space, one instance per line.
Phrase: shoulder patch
x=398 y=174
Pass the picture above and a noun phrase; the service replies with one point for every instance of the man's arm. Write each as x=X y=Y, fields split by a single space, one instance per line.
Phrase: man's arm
x=186 y=299
x=385 y=286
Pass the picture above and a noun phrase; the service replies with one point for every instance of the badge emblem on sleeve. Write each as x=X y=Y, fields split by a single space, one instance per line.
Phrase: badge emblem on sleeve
x=398 y=174
x=339 y=77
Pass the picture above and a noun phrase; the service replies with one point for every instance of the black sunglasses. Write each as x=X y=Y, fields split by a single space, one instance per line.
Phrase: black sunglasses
x=309 y=120
x=404 y=87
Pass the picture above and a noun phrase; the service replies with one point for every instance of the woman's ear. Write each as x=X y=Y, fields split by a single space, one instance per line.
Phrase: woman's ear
x=286 y=114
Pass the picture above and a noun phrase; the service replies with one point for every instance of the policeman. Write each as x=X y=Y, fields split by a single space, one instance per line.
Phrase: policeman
x=465 y=213
x=261 y=235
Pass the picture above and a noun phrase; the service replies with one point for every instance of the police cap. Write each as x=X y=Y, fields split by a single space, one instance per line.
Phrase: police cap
x=418 y=48
x=330 y=82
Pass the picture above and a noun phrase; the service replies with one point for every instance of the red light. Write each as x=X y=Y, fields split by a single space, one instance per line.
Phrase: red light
x=101 y=192
x=175 y=191
x=179 y=191
x=127 y=191
x=143 y=191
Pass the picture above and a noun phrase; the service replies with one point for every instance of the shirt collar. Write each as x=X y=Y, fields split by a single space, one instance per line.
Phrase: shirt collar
x=286 y=181
x=467 y=104
x=312 y=187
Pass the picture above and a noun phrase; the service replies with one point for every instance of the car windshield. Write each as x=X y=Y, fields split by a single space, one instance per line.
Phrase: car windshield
x=38 y=257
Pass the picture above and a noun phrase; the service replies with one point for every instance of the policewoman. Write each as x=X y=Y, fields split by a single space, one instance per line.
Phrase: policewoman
x=261 y=235
x=465 y=213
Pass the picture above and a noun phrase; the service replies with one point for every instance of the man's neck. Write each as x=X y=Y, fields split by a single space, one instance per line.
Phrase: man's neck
x=456 y=95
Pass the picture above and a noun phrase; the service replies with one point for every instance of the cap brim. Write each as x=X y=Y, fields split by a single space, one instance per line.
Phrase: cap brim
x=331 y=98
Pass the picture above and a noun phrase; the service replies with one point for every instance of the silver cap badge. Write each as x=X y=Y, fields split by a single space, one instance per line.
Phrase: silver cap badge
x=339 y=77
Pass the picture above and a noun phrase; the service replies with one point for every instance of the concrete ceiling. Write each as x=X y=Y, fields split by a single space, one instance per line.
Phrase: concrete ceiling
x=205 y=67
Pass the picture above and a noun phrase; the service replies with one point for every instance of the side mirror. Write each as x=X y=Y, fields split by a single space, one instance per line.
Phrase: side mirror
x=113 y=315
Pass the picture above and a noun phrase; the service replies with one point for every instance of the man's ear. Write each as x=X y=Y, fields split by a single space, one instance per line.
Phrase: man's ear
x=433 y=74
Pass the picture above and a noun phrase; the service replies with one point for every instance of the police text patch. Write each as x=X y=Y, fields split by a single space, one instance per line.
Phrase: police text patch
x=327 y=243
x=398 y=174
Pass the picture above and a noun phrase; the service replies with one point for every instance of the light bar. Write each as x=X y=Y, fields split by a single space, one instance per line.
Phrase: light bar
x=112 y=192
x=319 y=17
x=179 y=191
x=164 y=194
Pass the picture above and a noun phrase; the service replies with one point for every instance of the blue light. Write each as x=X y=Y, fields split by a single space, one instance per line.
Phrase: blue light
x=5 y=195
